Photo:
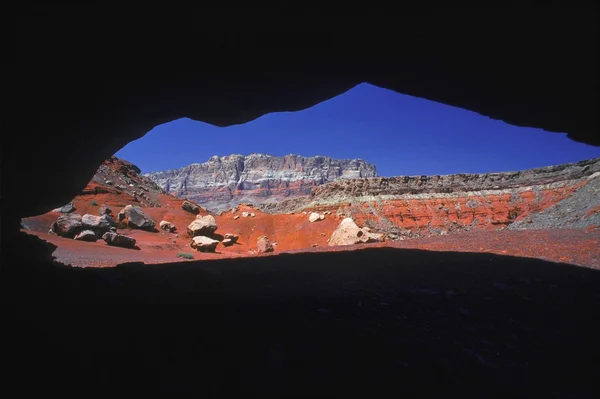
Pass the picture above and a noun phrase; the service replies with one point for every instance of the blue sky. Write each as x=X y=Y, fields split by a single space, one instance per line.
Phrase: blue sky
x=400 y=134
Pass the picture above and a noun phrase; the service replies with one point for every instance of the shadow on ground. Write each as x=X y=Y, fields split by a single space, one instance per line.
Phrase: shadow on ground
x=372 y=323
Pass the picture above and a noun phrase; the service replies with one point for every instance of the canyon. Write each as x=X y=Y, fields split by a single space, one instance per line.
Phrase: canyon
x=223 y=182
x=477 y=209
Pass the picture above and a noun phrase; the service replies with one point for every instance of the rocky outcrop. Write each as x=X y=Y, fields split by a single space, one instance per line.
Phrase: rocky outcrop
x=120 y=177
x=223 y=182
x=417 y=206
x=580 y=210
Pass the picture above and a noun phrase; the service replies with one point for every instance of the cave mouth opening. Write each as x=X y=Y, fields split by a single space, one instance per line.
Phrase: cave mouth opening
x=403 y=168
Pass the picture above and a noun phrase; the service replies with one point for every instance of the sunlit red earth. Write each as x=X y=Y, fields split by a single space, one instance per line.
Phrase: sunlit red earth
x=295 y=233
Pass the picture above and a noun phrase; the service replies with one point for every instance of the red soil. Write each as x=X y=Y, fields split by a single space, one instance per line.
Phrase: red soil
x=287 y=232
x=576 y=247
x=294 y=232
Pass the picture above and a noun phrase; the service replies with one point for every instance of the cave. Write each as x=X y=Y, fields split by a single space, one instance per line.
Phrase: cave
x=82 y=88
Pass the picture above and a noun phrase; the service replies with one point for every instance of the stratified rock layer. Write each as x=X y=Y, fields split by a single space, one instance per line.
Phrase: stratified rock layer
x=428 y=205
x=223 y=182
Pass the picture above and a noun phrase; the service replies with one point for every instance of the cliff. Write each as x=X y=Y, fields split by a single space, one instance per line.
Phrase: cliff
x=429 y=205
x=223 y=182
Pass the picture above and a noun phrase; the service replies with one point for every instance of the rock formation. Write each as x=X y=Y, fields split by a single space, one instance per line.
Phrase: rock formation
x=223 y=182
x=202 y=225
x=136 y=218
x=428 y=205
x=204 y=244
x=348 y=233
x=264 y=245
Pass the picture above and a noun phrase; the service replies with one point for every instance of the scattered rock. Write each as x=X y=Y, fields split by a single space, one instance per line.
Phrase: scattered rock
x=232 y=237
x=109 y=182
x=348 y=233
x=189 y=207
x=236 y=217
x=118 y=240
x=252 y=214
x=98 y=224
x=86 y=235
x=51 y=232
x=315 y=217
x=67 y=225
x=315 y=245
x=263 y=244
x=323 y=234
x=245 y=214
x=204 y=244
x=167 y=226
x=66 y=208
x=104 y=210
x=137 y=218
x=227 y=242
x=203 y=225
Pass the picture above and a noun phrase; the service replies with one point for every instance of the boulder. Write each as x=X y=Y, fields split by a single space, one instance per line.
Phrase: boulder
x=263 y=244
x=189 y=207
x=67 y=225
x=229 y=239
x=98 y=224
x=203 y=225
x=314 y=217
x=104 y=210
x=232 y=236
x=86 y=235
x=137 y=218
x=118 y=240
x=66 y=208
x=204 y=244
x=348 y=233
x=167 y=226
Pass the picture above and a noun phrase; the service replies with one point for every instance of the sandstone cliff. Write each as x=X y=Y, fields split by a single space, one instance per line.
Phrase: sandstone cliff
x=223 y=182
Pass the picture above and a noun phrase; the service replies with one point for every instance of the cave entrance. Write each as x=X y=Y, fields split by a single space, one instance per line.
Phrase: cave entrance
x=401 y=167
